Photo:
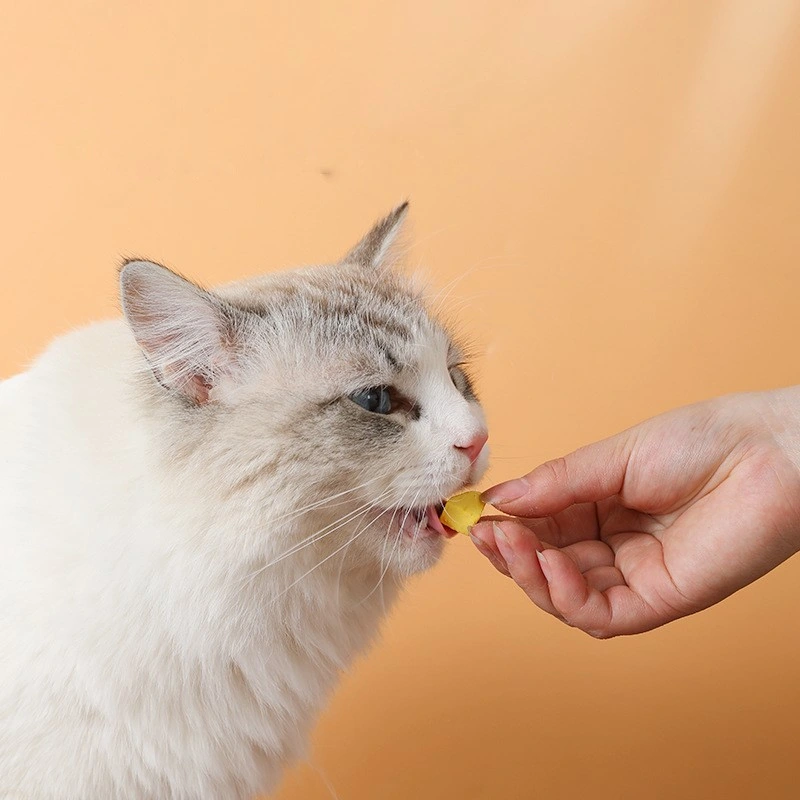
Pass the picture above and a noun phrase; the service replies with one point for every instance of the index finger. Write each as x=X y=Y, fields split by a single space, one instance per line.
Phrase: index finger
x=574 y=524
x=587 y=475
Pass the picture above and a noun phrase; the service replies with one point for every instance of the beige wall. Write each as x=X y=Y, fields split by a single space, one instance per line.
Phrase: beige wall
x=611 y=192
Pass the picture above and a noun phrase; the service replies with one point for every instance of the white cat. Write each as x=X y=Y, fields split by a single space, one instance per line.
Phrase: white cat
x=205 y=510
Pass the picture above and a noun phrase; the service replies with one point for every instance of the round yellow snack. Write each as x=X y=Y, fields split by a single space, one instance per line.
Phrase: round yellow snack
x=462 y=511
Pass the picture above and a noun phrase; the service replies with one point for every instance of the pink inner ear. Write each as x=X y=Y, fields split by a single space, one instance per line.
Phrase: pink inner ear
x=198 y=389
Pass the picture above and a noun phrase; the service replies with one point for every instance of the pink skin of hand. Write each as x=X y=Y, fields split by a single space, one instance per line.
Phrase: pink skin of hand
x=657 y=522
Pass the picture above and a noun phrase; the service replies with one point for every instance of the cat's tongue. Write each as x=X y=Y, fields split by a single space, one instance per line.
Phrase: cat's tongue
x=435 y=524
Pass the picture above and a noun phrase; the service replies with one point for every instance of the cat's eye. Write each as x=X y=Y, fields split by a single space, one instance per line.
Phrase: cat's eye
x=458 y=377
x=376 y=399
x=461 y=381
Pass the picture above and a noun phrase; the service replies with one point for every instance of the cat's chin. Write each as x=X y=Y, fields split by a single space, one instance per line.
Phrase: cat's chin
x=414 y=555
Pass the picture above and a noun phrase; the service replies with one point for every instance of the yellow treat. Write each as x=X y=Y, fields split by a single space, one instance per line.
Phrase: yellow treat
x=462 y=511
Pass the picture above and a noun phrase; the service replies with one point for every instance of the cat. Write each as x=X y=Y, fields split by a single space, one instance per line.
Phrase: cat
x=206 y=508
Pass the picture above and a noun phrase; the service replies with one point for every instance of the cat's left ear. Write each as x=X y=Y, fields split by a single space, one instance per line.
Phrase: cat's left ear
x=187 y=335
x=376 y=249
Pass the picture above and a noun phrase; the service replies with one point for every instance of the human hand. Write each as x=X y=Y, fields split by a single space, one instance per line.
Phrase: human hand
x=657 y=522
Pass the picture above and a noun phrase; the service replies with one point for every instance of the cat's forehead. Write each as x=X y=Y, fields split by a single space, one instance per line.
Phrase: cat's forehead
x=337 y=300
x=362 y=314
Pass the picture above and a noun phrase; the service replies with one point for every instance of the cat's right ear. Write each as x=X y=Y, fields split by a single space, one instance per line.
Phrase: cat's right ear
x=378 y=247
x=186 y=334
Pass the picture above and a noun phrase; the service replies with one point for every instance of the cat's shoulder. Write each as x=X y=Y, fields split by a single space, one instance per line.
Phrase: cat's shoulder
x=74 y=366
x=86 y=344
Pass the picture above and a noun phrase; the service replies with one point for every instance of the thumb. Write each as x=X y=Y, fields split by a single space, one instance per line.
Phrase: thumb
x=587 y=475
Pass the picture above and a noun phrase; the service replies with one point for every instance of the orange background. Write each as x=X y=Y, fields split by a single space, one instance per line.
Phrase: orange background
x=611 y=193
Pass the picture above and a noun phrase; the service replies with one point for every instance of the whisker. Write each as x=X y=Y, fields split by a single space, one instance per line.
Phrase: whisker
x=314 y=537
x=295 y=512
x=328 y=557
x=320 y=534
x=394 y=548
x=321 y=502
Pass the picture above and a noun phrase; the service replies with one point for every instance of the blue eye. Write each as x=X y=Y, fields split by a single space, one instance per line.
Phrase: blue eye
x=375 y=399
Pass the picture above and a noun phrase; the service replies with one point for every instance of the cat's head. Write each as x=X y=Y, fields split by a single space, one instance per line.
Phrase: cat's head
x=330 y=392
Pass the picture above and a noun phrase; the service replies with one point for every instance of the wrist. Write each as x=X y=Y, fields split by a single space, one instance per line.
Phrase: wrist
x=783 y=421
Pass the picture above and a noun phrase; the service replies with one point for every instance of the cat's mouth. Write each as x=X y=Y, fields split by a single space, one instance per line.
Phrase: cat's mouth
x=422 y=521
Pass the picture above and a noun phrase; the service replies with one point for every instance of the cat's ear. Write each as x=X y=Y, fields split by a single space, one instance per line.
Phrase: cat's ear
x=375 y=249
x=186 y=334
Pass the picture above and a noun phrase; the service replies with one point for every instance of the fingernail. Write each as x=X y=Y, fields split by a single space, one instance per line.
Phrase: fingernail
x=490 y=555
x=505 y=492
x=544 y=565
x=482 y=546
x=502 y=543
x=474 y=534
x=478 y=542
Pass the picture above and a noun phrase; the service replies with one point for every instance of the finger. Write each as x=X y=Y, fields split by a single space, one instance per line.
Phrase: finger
x=519 y=547
x=567 y=588
x=490 y=552
x=587 y=475
x=574 y=524
x=603 y=578
x=545 y=529
x=614 y=611
x=589 y=555
x=483 y=538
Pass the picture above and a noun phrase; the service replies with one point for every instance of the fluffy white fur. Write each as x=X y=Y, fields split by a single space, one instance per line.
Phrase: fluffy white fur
x=200 y=530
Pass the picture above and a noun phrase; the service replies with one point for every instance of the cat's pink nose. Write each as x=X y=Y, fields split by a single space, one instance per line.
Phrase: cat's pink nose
x=473 y=449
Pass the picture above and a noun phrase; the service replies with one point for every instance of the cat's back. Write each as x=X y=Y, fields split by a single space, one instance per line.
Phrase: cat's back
x=62 y=422
x=73 y=390
x=13 y=415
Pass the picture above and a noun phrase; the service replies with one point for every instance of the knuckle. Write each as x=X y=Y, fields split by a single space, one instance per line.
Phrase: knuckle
x=529 y=587
x=557 y=470
x=593 y=628
x=598 y=633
